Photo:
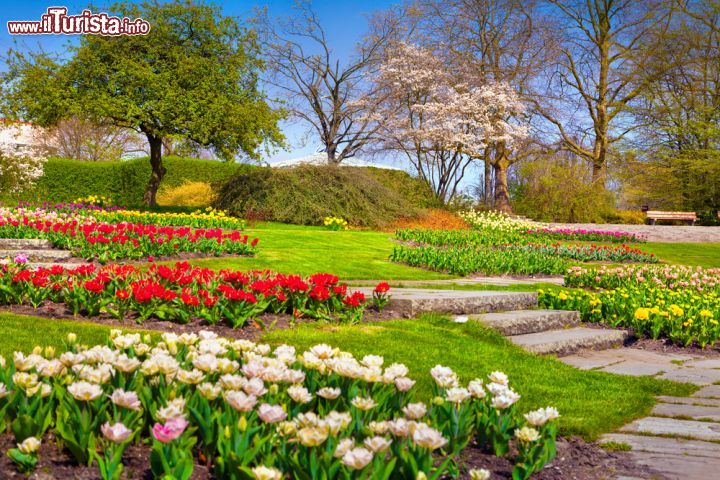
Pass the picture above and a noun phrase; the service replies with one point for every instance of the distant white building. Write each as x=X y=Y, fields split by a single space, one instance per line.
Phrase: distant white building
x=320 y=158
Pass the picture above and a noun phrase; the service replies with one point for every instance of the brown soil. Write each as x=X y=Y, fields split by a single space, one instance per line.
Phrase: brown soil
x=576 y=459
x=250 y=331
x=666 y=346
x=434 y=218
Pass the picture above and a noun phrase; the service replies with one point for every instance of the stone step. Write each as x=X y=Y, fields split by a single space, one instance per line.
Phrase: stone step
x=520 y=322
x=413 y=301
x=24 y=244
x=696 y=412
x=568 y=341
x=700 y=401
x=673 y=457
x=45 y=255
x=673 y=427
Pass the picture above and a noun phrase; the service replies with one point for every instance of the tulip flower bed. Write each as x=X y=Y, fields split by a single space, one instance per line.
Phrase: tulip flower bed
x=87 y=238
x=490 y=261
x=681 y=304
x=587 y=235
x=248 y=411
x=591 y=253
x=208 y=218
x=183 y=292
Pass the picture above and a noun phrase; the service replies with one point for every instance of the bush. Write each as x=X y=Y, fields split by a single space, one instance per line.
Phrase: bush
x=626 y=217
x=560 y=190
x=125 y=181
x=189 y=194
x=307 y=194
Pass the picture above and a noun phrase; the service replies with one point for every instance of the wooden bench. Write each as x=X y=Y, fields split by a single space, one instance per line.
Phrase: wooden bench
x=655 y=215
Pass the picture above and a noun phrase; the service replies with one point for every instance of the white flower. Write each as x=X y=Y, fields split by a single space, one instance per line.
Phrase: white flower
x=29 y=445
x=415 y=411
x=329 y=393
x=457 y=395
x=344 y=446
x=190 y=377
x=476 y=389
x=498 y=377
x=323 y=351
x=116 y=433
x=377 y=444
x=357 y=458
x=299 y=394
x=527 y=435
x=541 y=416
x=84 y=391
x=363 y=404
x=209 y=391
x=428 y=437
x=505 y=400
x=240 y=401
x=444 y=376
x=479 y=474
x=372 y=361
x=271 y=413
x=125 y=399
x=207 y=363
x=255 y=386
x=403 y=384
x=266 y=473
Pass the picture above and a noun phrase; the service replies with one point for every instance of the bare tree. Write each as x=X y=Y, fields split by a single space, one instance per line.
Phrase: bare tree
x=82 y=140
x=332 y=96
x=603 y=66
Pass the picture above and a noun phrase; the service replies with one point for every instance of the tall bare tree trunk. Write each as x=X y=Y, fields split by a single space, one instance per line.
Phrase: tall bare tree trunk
x=158 y=171
x=487 y=194
x=502 y=194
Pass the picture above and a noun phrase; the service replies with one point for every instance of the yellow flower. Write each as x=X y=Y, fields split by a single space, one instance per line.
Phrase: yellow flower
x=706 y=313
x=562 y=296
x=675 y=310
x=642 y=313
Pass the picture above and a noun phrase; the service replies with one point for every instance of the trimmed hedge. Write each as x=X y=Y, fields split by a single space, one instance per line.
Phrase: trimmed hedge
x=305 y=195
x=65 y=180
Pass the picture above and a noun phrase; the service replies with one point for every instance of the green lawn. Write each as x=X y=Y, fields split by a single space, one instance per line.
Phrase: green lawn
x=23 y=333
x=590 y=403
x=351 y=254
x=702 y=254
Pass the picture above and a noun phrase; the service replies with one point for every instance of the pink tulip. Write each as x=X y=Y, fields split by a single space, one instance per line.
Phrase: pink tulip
x=172 y=429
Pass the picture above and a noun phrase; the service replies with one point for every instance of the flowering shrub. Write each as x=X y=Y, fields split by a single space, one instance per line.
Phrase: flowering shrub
x=103 y=241
x=20 y=168
x=679 y=303
x=181 y=292
x=335 y=223
x=253 y=412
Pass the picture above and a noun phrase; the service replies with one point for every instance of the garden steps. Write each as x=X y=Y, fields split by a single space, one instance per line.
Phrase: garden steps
x=570 y=340
x=521 y=322
x=38 y=255
x=410 y=302
x=25 y=244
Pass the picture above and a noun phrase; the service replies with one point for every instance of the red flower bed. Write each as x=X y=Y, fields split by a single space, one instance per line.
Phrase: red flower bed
x=125 y=240
x=182 y=291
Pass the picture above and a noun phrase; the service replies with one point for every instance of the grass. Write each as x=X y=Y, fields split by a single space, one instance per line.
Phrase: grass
x=24 y=332
x=591 y=403
x=350 y=254
x=706 y=255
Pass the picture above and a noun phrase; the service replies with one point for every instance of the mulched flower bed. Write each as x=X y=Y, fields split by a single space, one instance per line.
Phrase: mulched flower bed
x=576 y=459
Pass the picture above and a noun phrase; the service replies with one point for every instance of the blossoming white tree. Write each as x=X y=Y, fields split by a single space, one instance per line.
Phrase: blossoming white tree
x=441 y=120
x=21 y=159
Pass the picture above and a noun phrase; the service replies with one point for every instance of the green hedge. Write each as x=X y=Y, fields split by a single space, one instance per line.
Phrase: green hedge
x=65 y=180
x=305 y=195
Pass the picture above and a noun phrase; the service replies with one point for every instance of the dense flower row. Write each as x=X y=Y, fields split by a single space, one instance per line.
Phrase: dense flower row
x=683 y=316
x=591 y=253
x=589 y=235
x=181 y=292
x=208 y=218
x=490 y=261
x=676 y=302
x=493 y=220
x=249 y=411
x=111 y=241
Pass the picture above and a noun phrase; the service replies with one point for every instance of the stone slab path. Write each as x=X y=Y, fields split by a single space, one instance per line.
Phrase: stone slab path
x=681 y=437
x=657 y=233
x=499 y=281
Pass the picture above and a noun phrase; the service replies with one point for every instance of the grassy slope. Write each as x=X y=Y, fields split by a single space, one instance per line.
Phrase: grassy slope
x=349 y=254
x=702 y=254
x=591 y=403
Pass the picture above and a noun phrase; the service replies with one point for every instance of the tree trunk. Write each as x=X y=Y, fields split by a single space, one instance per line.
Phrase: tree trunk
x=158 y=171
x=502 y=195
x=487 y=194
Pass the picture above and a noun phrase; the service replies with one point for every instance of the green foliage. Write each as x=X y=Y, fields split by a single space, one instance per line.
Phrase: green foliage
x=193 y=194
x=305 y=195
x=65 y=180
x=558 y=190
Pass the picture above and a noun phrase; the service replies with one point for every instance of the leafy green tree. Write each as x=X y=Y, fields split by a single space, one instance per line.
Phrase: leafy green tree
x=194 y=76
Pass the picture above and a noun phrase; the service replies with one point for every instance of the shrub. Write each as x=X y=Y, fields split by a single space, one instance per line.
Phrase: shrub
x=307 y=194
x=189 y=194
x=627 y=217
x=125 y=181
